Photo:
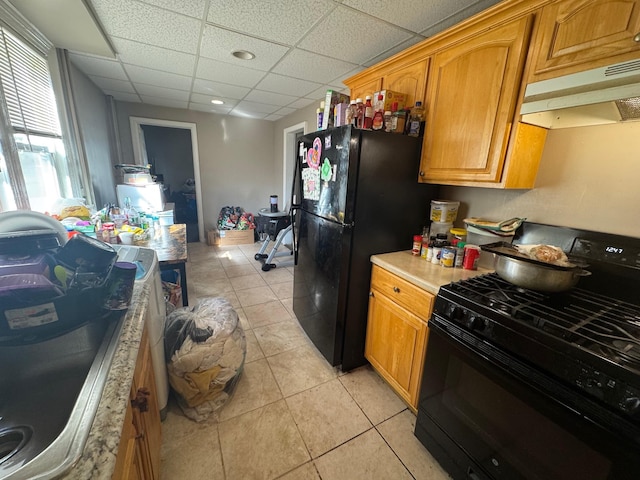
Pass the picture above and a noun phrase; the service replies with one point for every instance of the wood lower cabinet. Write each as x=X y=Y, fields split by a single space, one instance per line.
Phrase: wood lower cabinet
x=577 y=35
x=397 y=332
x=473 y=92
x=139 y=451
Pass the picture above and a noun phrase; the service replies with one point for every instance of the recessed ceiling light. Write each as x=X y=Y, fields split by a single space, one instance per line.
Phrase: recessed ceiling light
x=217 y=102
x=243 y=55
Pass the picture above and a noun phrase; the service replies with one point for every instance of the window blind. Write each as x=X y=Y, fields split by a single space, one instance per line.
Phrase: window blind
x=27 y=88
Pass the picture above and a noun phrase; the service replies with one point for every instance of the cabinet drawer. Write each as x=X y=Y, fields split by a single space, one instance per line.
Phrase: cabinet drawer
x=402 y=292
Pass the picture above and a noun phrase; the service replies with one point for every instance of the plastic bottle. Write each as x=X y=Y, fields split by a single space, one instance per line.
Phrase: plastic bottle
x=416 y=118
x=350 y=113
x=378 y=115
x=359 y=117
x=368 y=113
x=388 y=122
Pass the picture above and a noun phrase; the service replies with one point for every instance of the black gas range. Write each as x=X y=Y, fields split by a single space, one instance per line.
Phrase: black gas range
x=524 y=384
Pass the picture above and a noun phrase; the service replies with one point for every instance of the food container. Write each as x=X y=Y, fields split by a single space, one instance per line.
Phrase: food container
x=459 y=233
x=479 y=236
x=444 y=211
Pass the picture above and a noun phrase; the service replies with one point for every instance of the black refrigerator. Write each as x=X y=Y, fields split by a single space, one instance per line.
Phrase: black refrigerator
x=359 y=196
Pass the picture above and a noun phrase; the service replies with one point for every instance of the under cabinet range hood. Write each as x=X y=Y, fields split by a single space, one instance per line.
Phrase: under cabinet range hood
x=602 y=95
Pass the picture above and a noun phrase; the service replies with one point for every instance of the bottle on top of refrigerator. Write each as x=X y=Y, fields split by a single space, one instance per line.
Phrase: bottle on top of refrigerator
x=319 y=115
x=388 y=123
x=415 y=120
x=368 y=113
x=378 y=115
x=349 y=114
x=359 y=113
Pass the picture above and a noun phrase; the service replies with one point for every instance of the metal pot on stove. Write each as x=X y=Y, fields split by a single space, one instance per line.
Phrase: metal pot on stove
x=526 y=272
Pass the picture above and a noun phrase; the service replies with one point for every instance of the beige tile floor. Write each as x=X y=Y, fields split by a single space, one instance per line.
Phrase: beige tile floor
x=292 y=416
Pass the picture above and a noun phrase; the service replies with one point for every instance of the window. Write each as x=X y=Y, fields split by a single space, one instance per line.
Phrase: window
x=34 y=167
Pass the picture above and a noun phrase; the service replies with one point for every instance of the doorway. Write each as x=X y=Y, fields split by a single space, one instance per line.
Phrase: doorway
x=290 y=156
x=172 y=149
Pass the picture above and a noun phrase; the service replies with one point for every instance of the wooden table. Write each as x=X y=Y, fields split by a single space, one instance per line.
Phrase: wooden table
x=170 y=244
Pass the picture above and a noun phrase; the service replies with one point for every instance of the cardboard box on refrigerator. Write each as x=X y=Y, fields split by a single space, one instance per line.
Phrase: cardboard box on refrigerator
x=230 y=237
x=332 y=99
x=389 y=97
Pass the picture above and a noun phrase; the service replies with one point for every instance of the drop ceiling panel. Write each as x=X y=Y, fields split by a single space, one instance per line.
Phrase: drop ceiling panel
x=201 y=107
x=170 y=93
x=215 y=89
x=286 y=85
x=192 y=8
x=273 y=117
x=364 y=36
x=285 y=111
x=219 y=44
x=283 y=21
x=164 y=102
x=157 y=58
x=226 y=73
x=158 y=78
x=112 y=84
x=392 y=51
x=301 y=103
x=148 y=24
x=311 y=66
x=255 y=107
x=270 y=98
x=101 y=67
x=123 y=97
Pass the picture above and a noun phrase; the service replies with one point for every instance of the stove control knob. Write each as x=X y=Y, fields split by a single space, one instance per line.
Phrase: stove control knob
x=454 y=312
x=475 y=323
x=630 y=405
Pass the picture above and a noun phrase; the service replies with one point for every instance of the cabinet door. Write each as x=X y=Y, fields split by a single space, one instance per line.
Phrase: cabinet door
x=410 y=79
x=473 y=90
x=128 y=465
x=395 y=345
x=367 y=87
x=576 y=35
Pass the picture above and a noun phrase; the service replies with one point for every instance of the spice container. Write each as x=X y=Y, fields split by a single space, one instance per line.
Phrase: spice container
x=459 y=254
x=417 y=244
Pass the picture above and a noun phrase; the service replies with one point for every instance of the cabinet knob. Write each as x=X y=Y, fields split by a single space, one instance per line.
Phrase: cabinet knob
x=396 y=289
x=141 y=402
x=637 y=38
x=371 y=294
x=421 y=173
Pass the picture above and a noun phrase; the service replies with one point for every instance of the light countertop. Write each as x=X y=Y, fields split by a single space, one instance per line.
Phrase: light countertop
x=423 y=274
x=98 y=459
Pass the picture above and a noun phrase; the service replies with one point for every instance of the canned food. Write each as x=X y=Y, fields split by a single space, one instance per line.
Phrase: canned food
x=448 y=257
x=471 y=256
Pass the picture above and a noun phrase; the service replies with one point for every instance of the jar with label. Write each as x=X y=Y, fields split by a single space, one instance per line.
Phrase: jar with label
x=399 y=121
x=350 y=113
x=416 y=118
x=459 y=254
x=437 y=252
x=417 y=244
x=368 y=113
x=432 y=241
x=388 y=124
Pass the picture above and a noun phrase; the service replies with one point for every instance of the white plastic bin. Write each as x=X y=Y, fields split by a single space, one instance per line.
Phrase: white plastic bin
x=166 y=217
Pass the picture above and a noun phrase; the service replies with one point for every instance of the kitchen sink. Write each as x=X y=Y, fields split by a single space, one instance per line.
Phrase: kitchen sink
x=49 y=394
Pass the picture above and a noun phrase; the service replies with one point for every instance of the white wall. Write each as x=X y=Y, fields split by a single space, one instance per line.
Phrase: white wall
x=588 y=178
x=237 y=165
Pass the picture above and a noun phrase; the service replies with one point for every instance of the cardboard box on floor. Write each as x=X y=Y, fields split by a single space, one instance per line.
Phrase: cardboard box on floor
x=230 y=237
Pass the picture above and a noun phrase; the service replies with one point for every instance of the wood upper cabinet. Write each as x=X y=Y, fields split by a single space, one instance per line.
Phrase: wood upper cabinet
x=473 y=91
x=366 y=87
x=577 y=35
x=410 y=79
x=397 y=332
x=139 y=451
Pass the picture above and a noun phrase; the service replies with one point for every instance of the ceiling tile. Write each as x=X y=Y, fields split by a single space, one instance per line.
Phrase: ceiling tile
x=270 y=98
x=286 y=85
x=98 y=66
x=123 y=97
x=207 y=87
x=112 y=84
x=154 y=57
x=164 y=102
x=206 y=100
x=392 y=51
x=243 y=114
x=340 y=80
x=278 y=20
x=152 y=91
x=255 y=107
x=227 y=73
x=466 y=9
x=286 y=111
x=148 y=24
x=218 y=44
x=193 y=8
x=311 y=66
x=364 y=35
x=157 y=77
x=322 y=91
x=201 y=107
x=301 y=103
x=273 y=117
